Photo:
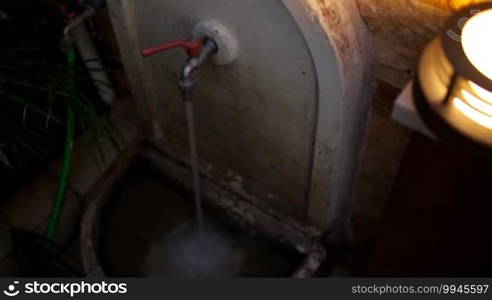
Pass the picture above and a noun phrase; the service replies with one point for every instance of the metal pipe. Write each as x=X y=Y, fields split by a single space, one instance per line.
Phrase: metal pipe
x=90 y=8
x=77 y=30
x=88 y=12
x=93 y=63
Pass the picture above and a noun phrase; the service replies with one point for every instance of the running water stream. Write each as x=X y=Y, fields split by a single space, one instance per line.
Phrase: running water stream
x=190 y=119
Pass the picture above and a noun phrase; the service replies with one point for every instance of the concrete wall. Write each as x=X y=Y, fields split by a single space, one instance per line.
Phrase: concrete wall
x=353 y=45
x=283 y=125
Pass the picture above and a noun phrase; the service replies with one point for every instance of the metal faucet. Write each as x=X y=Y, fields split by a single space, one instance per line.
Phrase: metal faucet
x=198 y=51
x=186 y=80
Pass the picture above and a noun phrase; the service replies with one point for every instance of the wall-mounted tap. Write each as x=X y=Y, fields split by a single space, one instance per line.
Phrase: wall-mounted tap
x=186 y=80
x=198 y=51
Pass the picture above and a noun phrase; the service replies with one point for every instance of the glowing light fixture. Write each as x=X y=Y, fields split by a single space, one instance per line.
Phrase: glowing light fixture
x=476 y=45
x=453 y=88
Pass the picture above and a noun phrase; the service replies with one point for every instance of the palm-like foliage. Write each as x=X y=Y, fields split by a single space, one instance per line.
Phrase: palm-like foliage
x=35 y=87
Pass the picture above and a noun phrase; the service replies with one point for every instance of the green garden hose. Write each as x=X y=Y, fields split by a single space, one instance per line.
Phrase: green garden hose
x=67 y=155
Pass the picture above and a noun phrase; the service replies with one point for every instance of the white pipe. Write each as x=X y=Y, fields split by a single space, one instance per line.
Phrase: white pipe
x=93 y=62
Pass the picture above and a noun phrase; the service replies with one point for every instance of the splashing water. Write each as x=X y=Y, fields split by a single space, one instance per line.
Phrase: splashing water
x=190 y=253
x=193 y=252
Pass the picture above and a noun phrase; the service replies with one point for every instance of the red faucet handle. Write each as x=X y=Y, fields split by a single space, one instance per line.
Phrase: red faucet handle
x=192 y=48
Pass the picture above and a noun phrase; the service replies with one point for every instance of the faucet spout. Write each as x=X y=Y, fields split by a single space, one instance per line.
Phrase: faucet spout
x=186 y=80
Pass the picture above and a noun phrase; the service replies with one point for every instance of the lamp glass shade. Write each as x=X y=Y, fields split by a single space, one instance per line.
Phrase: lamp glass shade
x=453 y=87
x=477 y=42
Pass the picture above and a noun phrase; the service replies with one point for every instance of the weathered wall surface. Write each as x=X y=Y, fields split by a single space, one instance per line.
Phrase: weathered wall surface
x=401 y=29
x=349 y=36
x=264 y=119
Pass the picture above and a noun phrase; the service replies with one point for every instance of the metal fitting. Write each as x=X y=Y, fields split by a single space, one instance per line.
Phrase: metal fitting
x=88 y=12
x=186 y=81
